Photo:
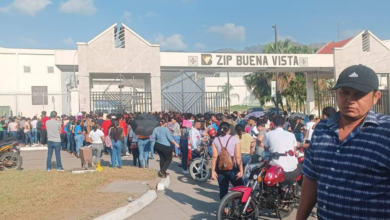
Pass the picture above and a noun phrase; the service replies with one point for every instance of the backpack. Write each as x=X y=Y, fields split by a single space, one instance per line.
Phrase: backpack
x=225 y=161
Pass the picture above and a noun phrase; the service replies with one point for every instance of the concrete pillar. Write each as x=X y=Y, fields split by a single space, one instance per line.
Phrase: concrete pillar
x=310 y=100
x=74 y=101
x=84 y=87
x=148 y=85
x=156 y=93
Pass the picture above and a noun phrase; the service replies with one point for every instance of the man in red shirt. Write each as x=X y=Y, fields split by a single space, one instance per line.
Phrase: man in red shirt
x=43 y=135
x=123 y=125
x=105 y=126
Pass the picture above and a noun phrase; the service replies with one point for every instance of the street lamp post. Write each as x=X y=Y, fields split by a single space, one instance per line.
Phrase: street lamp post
x=277 y=73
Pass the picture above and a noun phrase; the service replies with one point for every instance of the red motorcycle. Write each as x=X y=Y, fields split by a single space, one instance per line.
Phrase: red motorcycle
x=268 y=188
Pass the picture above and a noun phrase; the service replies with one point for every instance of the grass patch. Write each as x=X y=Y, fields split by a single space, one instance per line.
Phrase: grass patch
x=36 y=194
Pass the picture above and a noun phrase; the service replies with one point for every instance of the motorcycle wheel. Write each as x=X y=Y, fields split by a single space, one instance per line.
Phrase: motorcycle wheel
x=232 y=201
x=11 y=158
x=198 y=173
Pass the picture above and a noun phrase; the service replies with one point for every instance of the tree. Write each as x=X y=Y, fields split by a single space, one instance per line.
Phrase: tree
x=225 y=90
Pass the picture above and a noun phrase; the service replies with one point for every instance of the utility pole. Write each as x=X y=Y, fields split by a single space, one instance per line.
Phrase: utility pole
x=277 y=73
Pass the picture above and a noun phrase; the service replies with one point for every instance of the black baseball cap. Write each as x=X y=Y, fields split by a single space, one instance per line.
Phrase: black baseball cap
x=359 y=77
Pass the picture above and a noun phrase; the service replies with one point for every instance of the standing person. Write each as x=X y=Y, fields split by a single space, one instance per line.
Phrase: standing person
x=116 y=133
x=175 y=131
x=309 y=130
x=133 y=139
x=64 y=140
x=87 y=129
x=78 y=137
x=232 y=145
x=27 y=132
x=39 y=129
x=163 y=147
x=327 y=112
x=296 y=128
x=349 y=178
x=53 y=128
x=22 y=122
x=123 y=125
x=252 y=122
x=13 y=128
x=43 y=128
x=215 y=120
x=34 y=131
x=105 y=126
x=4 y=126
x=100 y=119
x=246 y=142
x=144 y=144
x=97 y=137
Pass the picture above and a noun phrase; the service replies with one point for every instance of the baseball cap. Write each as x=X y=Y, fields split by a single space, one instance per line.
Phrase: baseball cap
x=359 y=77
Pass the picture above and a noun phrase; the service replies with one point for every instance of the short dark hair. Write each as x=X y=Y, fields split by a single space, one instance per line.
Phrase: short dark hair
x=252 y=118
x=279 y=121
x=44 y=113
x=53 y=114
x=328 y=111
x=311 y=117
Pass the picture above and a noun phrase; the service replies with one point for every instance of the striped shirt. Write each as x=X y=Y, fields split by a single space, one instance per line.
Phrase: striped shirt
x=353 y=177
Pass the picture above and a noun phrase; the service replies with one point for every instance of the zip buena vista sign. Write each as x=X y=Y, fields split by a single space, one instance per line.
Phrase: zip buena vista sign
x=253 y=60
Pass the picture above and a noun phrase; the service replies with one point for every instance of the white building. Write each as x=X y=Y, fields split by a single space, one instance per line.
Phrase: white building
x=71 y=81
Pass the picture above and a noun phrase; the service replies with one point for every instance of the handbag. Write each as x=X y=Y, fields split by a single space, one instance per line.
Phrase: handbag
x=134 y=146
x=107 y=141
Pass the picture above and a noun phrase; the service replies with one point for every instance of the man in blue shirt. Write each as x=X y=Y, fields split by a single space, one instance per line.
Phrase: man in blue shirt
x=347 y=166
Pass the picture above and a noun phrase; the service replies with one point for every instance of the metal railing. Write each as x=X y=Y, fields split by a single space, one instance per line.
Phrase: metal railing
x=116 y=102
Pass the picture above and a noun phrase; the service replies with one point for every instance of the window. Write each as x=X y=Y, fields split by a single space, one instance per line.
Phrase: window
x=50 y=69
x=119 y=37
x=27 y=69
x=366 y=42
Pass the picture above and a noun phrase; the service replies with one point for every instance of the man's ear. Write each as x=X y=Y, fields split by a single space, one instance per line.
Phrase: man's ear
x=377 y=96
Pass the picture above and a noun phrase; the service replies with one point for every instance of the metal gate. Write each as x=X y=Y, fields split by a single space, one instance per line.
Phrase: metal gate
x=191 y=102
x=120 y=102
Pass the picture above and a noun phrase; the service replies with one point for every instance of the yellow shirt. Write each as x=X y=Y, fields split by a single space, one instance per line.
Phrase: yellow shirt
x=245 y=143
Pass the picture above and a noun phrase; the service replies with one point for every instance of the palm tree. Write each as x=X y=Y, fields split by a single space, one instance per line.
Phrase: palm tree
x=225 y=90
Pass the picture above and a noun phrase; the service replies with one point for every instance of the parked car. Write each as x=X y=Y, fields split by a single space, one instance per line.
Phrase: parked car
x=255 y=109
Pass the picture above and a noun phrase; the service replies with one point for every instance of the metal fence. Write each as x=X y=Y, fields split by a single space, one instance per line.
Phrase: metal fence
x=116 y=102
x=328 y=99
x=194 y=102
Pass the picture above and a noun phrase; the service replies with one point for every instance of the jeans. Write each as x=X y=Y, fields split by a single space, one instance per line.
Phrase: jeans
x=116 y=153
x=28 y=137
x=57 y=147
x=165 y=153
x=144 y=147
x=69 y=140
x=43 y=137
x=34 y=133
x=79 y=142
x=152 y=144
x=13 y=134
x=177 y=140
x=224 y=177
x=63 y=141
x=184 y=153
x=5 y=133
x=97 y=152
x=245 y=159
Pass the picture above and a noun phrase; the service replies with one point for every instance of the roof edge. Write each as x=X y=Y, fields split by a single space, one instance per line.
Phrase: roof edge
x=139 y=37
x=350 y=41
x=379 y=40
x=324 y=46
x=101 y=34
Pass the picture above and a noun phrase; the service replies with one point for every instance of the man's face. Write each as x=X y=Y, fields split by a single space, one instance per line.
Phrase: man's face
x=197 y=125
x=354 y=104
x=213 y=118
x=251 y=122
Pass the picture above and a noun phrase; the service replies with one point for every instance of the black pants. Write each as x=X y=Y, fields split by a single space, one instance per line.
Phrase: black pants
x=165 y=153
x=64 y=141
x=43 y=136
x=72 y=144
x=135 y=153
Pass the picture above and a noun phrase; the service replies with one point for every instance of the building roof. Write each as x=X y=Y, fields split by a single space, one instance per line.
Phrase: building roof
x=328 y=48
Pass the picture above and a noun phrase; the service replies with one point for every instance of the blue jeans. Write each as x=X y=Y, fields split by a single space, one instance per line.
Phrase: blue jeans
x=68 y=137
x=5 y=133
x=115 y=153
x=184 y=153
x=125 y=140
x=34 y=136
x=57 y=147
x=177 y=140
x=144 y=148
x=298 y=137
x=224 y=177
x=79 y=142
x=28 y=137
x=13 y=134
x=152 y=143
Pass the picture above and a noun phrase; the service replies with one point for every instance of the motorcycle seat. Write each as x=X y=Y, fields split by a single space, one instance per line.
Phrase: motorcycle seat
x=6 y=142
x=292 y=176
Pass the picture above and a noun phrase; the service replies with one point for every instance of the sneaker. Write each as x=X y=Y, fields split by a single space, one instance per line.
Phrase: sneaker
x=127 y=154
x=61 y=170
x=150 y=158
x=186 y=172
x=48 y=170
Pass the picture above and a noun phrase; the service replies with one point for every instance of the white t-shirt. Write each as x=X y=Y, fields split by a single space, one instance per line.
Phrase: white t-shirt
x=96 y=136
x=282 y=141
x=34 y=124
x=254 y=131
x=309 y=126
x=268 y=125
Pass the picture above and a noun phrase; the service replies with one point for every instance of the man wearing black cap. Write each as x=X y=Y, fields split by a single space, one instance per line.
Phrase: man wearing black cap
x=347 y=166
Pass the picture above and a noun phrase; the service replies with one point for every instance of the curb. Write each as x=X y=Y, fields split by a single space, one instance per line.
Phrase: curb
x=32 y=148
x=130 y=209
x=163 y=184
